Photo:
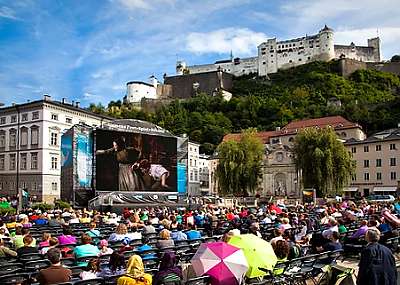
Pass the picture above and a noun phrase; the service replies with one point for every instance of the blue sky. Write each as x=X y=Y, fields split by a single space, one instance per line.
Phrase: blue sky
x=87 y=50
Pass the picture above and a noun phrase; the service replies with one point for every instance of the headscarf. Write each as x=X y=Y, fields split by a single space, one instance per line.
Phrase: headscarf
x=135 y=267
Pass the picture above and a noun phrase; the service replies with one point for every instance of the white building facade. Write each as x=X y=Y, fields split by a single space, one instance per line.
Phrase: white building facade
x=274 y=55
x=30 y=145
x=136 y=90
x=193 y=169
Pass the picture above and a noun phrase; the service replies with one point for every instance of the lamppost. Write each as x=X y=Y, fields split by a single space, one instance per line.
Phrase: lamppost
x=19 y=193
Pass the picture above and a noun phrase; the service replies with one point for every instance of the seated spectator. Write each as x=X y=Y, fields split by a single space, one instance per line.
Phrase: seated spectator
x=5 y=251
x=41 y=221
x=91 y=270
x=121 y=233
x=145 y=247
x=332 y=244
x=255 y=229
x=135 y=274
x=277 y=236
x=148 y=228
x=104 y=249
x=28 y=247
x=85 y=219
x=361 y=231
x=56 y=273
x=93 y=232
x=178 y=234
x=45 y=240
x=282 y=252
x=67 y=237
x=25 y=222
x=12 y=223
x=125 y=245
x=341 y=227
x=165 y=240
x=332 y=228
x=285 y=225
x=116 y=266
x=135 y=235
x=56 y=221
x=53 y=243
x=193 y=233
x=86 y=249
x=74 y=219
x=384 y=227
x=3 y=233
x=168 y=266
x=18 y=237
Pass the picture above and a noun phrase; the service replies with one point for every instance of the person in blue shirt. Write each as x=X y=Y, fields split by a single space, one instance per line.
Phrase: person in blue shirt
x=145 y=247
x=93 y=232
x=41 y=221
x=193 y=233
x=198 y=219
x=86 y=249
x=178 y=234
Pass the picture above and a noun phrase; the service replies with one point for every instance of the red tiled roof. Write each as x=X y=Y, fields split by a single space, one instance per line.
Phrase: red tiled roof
x=336 y=122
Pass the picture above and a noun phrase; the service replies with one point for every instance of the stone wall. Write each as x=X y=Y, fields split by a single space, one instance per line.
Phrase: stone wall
x=392 y=67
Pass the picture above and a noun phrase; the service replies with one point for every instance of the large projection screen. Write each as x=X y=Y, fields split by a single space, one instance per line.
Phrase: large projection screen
x=135 y=162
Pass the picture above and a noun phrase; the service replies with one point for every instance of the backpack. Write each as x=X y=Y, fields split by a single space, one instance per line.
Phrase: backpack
x=171 y=279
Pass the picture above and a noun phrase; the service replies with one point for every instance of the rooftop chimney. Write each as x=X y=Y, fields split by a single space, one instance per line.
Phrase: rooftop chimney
x=77 y=104
x=277 y=129
x=73 y=103
x=63 y=100
x=46 y=97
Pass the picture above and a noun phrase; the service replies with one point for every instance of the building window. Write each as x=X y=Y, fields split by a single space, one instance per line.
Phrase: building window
x=23 y=161
x=392 y=161
x=24 y=136
x=54 y=186
x=378 y=176
x=353 y=149
x=191 y=176
x=34 y=135
x=378 y=162
x=54 y=117
x=53 y=139
x=12 y=162
x=366 y=176
x=2 y=161
x=24 y=117
x=392 y=146
x=34 y=186
x=366 y=163
x=378 y=147
x=68 y=120
x=54 y=162
x=13 y=118
x=366 y=148
x=34 y=160
x=196 y=178
x=354 y=177
x=13 y=138
x=2 y=120
x=393 y=175
x=35 y=115
x=190 y=162
x=2 y=139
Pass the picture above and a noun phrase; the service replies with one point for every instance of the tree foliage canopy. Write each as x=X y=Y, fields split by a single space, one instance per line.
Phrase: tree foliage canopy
x=323 y=160
x=240 y=164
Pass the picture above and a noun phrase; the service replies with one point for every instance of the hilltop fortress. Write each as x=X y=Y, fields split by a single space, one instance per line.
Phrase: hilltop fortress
x=274 y=55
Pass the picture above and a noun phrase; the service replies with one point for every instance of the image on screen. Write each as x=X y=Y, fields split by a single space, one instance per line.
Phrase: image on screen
x=135 y=162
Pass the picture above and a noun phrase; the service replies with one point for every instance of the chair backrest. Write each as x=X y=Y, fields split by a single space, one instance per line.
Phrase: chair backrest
x=30 y=257
x=16 y=278
x=94 y=281
x=10 y=268
x=36 y=265
x=203 y=280
x=171 y=279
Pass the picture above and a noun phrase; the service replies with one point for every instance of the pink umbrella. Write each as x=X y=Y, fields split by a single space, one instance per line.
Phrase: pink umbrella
x=224 y=263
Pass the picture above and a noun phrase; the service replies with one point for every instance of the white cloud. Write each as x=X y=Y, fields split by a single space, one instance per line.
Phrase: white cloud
x=241 y=41
x=135 y=4
x=8 y=13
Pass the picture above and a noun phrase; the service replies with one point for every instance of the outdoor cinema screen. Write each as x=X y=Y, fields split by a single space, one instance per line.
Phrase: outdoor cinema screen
x=135 y=162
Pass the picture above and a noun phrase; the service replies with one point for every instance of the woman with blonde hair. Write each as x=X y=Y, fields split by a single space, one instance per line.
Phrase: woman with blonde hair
x=121 y=233
x=165 y=240
x=135 y=274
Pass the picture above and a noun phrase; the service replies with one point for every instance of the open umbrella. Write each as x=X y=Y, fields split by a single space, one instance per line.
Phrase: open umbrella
x=258 y=252
x=224 y=263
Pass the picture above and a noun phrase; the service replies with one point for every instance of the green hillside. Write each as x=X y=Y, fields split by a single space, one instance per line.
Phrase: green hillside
x=370 y=98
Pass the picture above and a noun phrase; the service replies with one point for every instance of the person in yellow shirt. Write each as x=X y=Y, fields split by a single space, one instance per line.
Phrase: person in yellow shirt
x=135 y=273
x=85 y=219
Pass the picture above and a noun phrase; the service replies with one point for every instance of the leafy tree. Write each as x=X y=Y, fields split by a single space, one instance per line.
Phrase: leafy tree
x=323 y=160
x=395 y=58
x=239 y=167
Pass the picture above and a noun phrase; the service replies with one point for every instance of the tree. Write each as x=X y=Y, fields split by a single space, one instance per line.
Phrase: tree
x=395 y=58
x=323 y=160
x=240 y=164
